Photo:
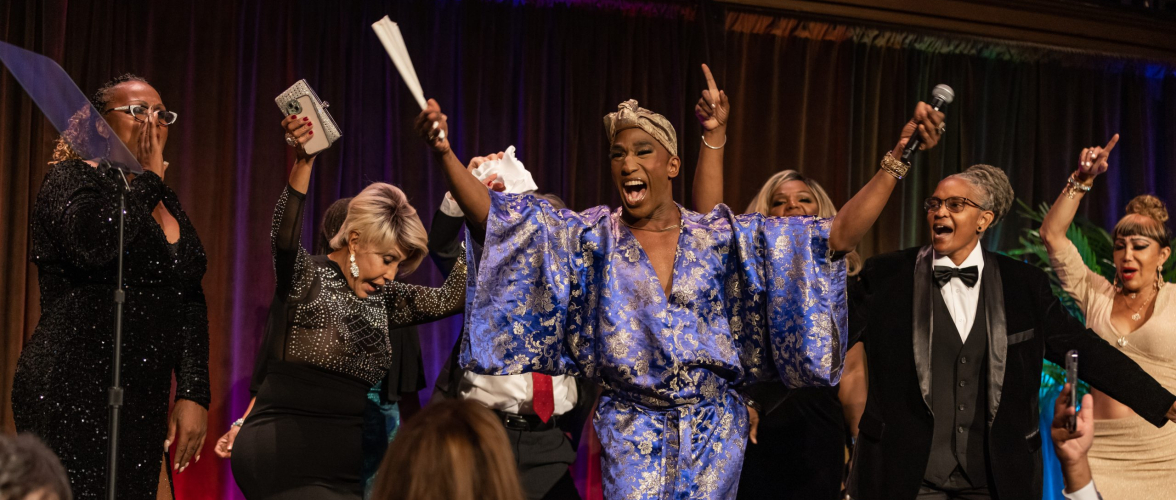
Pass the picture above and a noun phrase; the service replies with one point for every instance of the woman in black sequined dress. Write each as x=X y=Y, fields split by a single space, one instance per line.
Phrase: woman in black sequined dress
x=303 y=437
x=64 y=370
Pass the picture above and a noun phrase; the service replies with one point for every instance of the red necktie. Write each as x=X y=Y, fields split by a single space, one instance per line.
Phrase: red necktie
x=543 y=401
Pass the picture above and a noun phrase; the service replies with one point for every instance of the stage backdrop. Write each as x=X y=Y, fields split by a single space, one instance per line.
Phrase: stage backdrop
x=822 y=98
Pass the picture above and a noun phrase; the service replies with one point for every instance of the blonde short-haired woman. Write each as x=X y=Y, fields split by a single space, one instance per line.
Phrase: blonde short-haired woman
x=303 y=437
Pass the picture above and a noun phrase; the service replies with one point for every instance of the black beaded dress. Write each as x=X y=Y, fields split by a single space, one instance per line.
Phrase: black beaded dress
x=59 y=392
x=303 y=438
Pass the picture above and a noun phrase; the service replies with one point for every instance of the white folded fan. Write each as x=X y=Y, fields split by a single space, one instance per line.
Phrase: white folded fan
x=389 y=34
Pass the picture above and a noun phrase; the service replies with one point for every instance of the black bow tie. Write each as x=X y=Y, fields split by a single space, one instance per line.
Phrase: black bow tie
x=969 y=275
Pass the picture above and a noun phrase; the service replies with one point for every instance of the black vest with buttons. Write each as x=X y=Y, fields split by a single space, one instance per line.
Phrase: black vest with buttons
x=958 y=395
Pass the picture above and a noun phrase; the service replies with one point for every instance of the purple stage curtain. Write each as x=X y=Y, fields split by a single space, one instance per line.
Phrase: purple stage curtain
x=821 y=98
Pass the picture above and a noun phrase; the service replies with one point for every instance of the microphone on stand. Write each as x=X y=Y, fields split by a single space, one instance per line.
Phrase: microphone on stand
x=941 y=96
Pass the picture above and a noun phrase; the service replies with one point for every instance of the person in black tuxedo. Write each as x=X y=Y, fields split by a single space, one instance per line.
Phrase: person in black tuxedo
x=955 y=337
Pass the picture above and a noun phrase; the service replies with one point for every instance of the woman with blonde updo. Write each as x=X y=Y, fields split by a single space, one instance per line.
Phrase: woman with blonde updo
x=303 y=438
x=1130 y=458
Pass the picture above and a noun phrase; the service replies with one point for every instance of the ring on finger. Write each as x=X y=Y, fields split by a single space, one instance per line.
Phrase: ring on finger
x=942 y=128
x=291 y=140
x=713 y=106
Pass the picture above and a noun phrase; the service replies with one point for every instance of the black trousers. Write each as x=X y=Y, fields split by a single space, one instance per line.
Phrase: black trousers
x=543 y=458
x=801 y=450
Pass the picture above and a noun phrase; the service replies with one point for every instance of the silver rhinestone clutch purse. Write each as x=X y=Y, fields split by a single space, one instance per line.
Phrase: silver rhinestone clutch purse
x=301 y=100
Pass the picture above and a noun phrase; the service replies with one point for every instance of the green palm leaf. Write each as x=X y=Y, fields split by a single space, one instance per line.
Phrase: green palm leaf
x=1095 y=246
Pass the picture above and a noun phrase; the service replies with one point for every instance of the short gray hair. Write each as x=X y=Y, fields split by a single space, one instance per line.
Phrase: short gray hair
x=994 y=186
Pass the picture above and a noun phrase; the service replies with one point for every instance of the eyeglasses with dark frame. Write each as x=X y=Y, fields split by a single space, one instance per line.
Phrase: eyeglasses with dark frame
x=141 y=113
x=955 y=204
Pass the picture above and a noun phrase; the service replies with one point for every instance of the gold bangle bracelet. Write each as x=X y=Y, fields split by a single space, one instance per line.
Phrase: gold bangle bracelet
x=1074 y=186
x=894 y=166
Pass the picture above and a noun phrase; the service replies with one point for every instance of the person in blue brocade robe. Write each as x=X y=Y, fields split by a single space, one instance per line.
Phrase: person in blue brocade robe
x=673 y=312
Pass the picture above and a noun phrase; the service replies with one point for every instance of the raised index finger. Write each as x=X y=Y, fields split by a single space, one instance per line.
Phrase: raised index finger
x=1111 y=144
x=710 y=82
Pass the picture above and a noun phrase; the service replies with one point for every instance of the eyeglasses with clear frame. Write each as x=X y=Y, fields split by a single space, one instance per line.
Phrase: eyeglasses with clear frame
x=141 y=113
x=955 y=204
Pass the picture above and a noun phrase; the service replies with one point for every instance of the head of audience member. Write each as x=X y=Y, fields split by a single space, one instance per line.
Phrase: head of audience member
x=142 y=107
x=555 y=201
x=964 y=206
x=382 y=235
x=452 y=450
x=332 y=220
x=644 y=155
x=788 y=193
x=1143 y=244
x=29 y=471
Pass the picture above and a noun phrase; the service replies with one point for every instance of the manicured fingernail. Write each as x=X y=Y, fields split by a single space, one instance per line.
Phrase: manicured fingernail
x=176 y=466
x=293 y=117
x=311 y=132
x=436 y=124
x=166 y=444
x=306 y=118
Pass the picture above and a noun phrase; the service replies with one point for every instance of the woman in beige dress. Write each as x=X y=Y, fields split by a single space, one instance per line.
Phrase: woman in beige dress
x=1131 y=458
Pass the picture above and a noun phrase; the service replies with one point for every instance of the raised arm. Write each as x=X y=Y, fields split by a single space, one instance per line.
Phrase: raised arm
x=286 y=232
x=1091 y=163
x=466 y=189
x=861 y=211
x=712 y=111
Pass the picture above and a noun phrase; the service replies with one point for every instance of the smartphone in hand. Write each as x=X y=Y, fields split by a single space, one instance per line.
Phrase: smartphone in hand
x=1072 y=379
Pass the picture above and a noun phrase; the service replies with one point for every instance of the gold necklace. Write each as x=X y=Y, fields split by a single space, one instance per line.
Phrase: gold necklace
x=661 y=230
x=1122 y=341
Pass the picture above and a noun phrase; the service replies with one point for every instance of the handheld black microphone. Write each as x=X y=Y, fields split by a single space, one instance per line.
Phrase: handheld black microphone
x=941 y=96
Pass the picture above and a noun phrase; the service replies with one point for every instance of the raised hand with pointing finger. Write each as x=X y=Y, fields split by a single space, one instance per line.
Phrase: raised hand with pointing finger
x=1094 y=161
x=713 y=110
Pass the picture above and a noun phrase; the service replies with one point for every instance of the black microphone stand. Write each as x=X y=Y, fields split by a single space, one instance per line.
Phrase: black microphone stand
x=115 y=393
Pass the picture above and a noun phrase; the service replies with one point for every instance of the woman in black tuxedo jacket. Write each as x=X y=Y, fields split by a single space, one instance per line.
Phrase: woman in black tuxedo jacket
x=954 y=415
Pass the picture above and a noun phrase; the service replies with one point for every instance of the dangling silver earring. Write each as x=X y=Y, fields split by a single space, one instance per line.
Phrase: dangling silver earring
x=354 y=268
